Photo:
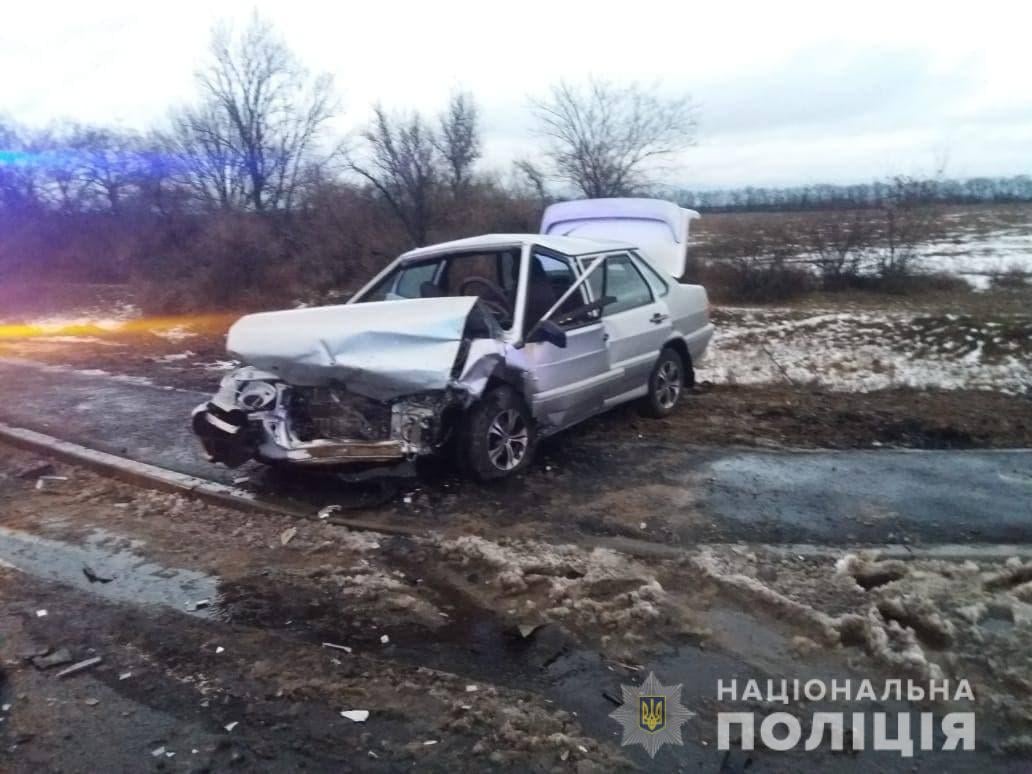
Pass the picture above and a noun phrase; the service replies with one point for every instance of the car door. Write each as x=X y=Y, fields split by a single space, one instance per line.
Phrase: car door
x=636 y=322
x=565 y=384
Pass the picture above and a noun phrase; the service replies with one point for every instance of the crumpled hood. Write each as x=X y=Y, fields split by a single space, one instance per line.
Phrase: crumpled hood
x=381 y=349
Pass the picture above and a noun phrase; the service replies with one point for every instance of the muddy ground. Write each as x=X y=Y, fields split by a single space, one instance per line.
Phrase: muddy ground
x=763 y=415
x=96 y=328
x=471 y=649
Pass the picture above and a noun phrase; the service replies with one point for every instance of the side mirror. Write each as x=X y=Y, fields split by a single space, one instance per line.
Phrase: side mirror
x=546 y=330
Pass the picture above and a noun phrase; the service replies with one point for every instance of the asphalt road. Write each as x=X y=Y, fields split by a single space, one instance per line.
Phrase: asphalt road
x=695 y=493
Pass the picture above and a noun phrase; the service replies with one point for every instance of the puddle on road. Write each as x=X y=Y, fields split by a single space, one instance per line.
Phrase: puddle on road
x=105 y=556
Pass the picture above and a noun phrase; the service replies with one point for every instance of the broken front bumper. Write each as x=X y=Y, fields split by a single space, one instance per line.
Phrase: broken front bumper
x=232 y=437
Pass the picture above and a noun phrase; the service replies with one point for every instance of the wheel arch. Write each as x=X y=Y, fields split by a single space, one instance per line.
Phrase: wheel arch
x=681 y=348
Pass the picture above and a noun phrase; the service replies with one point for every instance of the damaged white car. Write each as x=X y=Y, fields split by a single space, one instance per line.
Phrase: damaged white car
x=484 y=345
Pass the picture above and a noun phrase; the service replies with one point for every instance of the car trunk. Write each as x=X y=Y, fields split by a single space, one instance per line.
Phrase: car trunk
x=658 y=228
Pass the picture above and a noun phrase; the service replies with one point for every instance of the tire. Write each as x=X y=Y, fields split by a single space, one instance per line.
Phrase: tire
x=666 y=384
x=500 y=435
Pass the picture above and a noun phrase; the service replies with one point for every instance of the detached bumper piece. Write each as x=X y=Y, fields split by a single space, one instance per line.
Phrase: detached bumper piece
x=318 y=453
x=225 y=435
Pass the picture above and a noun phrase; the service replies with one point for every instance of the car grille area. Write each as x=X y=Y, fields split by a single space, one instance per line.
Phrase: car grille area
x=336 y=414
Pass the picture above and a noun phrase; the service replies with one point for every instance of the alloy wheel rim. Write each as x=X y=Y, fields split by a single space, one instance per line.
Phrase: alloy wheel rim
x=507 y=439
x=668 y=384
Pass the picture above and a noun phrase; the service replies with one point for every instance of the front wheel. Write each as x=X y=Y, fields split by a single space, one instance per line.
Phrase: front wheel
x=499 y=435
x=666 y=384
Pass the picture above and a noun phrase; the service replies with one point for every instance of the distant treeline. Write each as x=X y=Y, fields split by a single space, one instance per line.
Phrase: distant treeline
x=244 y=198
x=975 y=190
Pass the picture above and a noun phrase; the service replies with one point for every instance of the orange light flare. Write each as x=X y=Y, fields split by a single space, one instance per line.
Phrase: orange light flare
x=170 y=328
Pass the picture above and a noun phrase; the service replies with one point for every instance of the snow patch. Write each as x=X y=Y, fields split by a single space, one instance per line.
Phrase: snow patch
x=863 y=351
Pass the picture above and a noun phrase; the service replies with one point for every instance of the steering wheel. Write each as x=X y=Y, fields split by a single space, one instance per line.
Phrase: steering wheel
x=499 y=305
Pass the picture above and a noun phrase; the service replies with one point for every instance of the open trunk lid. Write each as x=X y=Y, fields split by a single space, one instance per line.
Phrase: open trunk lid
x=659 y=228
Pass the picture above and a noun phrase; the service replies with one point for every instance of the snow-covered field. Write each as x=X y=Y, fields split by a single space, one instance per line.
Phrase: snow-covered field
x=861 y=351
x=973 y=243
x=978 y=256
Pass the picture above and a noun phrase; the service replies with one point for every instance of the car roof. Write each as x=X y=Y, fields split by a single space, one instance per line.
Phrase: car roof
x=567 y=245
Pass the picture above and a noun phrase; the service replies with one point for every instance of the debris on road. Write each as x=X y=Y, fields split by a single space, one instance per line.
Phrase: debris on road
x=200 y=604
x=385 y=639
x=158 y=752
x=125 y=676
x=91 y=702
x=81 y=666
x=50 y=484
x=328 y=511
x=35 y=471
x=355 y=716
x=41 y=614
x=92 y=577
x=219 y=649
x=59 y=657
x=230 y=726
x=333 y=645
x=287 y=535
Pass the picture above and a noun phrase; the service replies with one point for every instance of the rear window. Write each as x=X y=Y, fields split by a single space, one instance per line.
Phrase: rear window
x=619 y=278
x=660 y=285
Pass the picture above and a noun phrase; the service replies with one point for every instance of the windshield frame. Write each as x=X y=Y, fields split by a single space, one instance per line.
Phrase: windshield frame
x=429 y=256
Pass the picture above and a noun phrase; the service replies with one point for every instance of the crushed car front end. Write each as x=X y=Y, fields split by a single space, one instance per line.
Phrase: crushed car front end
x=256 y=415
x=321 y=390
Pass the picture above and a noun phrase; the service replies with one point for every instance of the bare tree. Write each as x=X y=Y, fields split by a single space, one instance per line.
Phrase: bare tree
x=527 y=172
x=458 y=140
x=21 y=179
x=606 y=139
x=403 y=166
x=910 y=218
x=110 y=164
x=205 y=160
x=257 y=126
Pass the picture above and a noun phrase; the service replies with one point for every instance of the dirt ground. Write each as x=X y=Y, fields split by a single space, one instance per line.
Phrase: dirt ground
x=190 y=354
x=469 y=651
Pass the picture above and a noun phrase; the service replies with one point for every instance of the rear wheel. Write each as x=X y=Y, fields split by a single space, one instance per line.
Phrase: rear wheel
x=499 y=435
x=666 y=384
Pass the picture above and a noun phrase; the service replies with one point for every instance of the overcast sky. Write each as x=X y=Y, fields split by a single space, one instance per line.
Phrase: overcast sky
x=790 y=92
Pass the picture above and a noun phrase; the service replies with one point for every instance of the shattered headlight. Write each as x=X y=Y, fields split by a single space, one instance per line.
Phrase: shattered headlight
x=248 y=389
x=256 y=396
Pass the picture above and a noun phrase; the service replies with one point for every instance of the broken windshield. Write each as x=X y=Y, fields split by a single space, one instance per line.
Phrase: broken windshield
x=491 y=276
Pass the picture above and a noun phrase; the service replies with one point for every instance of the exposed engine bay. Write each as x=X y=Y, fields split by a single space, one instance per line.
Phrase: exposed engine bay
x=390 y=392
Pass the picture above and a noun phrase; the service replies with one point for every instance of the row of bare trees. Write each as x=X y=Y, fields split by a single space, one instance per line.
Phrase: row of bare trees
x=246 y=193
x=256 y=138
x=774 y=256
x=419 y=169
x=935 y=190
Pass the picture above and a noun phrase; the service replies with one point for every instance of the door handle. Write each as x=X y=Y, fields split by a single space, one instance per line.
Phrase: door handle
x=657 y=318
